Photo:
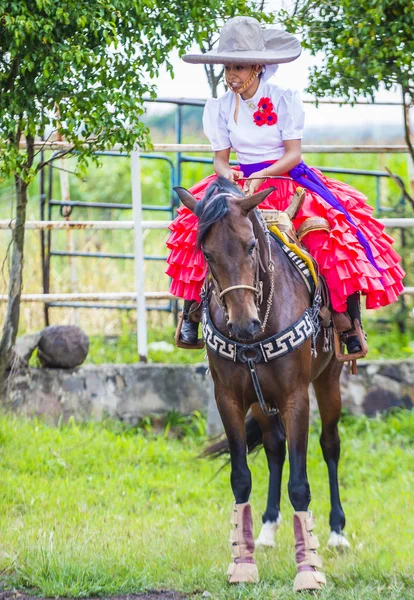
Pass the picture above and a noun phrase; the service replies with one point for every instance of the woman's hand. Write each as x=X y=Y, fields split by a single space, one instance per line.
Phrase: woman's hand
x=252 y=184
x=233 y=175
x=223 y=168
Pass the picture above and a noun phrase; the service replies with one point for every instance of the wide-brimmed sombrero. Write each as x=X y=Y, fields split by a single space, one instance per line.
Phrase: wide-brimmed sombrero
x=244 y=42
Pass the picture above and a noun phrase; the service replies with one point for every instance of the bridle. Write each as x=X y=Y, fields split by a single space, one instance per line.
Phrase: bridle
x=257 y=288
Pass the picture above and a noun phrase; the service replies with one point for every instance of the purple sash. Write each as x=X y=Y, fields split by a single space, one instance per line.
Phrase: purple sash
x=303 y=175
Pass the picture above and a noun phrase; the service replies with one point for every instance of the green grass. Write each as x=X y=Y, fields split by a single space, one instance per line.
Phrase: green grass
x=102 y=509
x=123 y=348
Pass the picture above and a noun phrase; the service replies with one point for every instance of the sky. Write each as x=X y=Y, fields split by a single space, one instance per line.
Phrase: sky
x=190 y=82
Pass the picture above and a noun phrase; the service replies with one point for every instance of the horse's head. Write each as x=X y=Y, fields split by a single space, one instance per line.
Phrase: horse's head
x=230 y=246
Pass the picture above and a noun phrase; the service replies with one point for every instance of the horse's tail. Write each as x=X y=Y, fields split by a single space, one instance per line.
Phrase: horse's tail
x=254 y=440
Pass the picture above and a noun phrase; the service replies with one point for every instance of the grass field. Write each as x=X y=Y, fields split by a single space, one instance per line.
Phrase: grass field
x=103 y=509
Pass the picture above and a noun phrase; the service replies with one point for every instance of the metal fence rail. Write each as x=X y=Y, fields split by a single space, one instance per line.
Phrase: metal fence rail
x=179 y=155
x=401 y=223
x=109 y=296
x=182 y=156
x=306 y=148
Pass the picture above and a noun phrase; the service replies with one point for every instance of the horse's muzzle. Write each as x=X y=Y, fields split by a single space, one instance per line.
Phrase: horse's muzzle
x=246 y=333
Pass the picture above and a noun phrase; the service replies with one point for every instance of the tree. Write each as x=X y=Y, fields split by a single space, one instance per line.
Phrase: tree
x=81 y=67
x=227 y=10
x=366 y=45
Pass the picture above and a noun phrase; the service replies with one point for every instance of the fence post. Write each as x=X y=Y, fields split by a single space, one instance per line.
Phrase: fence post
x=139 y=256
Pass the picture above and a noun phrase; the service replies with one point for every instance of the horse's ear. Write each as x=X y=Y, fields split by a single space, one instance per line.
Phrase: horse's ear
x=250 y=202
x=186 y=198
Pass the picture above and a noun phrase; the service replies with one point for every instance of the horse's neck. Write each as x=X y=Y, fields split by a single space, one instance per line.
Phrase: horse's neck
x=290 y=294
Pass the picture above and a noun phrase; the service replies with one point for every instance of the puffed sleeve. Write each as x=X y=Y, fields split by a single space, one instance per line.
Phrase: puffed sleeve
x=215 y=125
x=291 y=117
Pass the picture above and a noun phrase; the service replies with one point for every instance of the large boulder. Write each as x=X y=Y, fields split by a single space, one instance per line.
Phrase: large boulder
x=62 y=346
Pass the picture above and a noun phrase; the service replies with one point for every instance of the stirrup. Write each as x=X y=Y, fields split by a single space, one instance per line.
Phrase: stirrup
x=180 y=344
x=351 y=358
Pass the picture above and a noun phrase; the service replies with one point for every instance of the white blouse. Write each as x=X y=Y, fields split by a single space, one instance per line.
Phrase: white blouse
x=254 y=144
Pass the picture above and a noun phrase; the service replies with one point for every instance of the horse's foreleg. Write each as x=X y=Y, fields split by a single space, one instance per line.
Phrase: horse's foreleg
x=328 y=394
x=274 y=442
x=295 y=416
x=243 y=567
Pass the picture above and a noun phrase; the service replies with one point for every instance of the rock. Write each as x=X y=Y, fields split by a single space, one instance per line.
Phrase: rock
x=62 y=346
x=23 y=350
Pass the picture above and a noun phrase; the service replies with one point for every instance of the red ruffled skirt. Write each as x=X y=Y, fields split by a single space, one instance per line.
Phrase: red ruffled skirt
x=340 y=256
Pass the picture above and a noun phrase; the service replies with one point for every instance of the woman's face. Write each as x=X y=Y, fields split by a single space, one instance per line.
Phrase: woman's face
x=237 y=75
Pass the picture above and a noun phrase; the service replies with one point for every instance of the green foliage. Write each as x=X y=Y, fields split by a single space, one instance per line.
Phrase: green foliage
x=105 y=508
x=364 y=44
x=83 y=67
x=385 y=341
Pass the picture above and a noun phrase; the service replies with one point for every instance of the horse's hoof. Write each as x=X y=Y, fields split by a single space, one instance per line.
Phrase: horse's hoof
x=243 y=573
x=338 y=541
x=309 y=580
x=267 y=534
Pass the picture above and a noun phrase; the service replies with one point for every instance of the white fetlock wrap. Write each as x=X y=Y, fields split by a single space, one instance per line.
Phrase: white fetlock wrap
x=307 y=559
x=267 y=534
x=242 y=569
x=338 y=541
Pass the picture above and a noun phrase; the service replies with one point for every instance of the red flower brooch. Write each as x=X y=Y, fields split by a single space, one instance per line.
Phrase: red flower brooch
x=265 y=114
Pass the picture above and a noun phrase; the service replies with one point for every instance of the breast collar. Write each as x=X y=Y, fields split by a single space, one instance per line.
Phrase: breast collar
x=275 y=346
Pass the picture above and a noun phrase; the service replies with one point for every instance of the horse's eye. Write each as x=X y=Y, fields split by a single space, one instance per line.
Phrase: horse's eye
x=251 y=248
x=207 y=256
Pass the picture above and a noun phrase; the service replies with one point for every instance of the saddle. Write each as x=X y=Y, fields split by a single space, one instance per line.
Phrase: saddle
x=280 y=224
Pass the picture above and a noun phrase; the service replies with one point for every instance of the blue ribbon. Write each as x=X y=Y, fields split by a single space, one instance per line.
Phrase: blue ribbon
x=308 y=179
x=313 y=183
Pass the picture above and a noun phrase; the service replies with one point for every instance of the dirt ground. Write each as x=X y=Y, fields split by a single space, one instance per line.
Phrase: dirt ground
x=162 y=595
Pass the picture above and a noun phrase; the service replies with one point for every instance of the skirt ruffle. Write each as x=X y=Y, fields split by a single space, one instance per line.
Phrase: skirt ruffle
x=339 y=254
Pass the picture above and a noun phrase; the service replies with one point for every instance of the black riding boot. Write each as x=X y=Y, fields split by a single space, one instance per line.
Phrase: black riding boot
x=189 y=330
x=352 y=342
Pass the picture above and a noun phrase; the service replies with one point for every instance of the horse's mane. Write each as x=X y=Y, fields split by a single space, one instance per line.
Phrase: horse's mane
x=214 y=205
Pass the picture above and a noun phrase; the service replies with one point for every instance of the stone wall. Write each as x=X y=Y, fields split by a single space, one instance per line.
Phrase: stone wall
x=129 y=392
x=92 y=392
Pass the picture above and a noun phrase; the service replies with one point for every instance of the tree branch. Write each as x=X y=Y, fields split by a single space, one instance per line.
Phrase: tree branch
x=44 y=163
x=407 y=132
x=45 y=142
x=13 y=73
x=401 y=185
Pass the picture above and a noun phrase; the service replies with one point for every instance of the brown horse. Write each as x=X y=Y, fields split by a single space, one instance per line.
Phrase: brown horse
x=254 y=281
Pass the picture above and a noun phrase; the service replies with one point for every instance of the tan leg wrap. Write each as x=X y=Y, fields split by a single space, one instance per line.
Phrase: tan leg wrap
x=308 y=560
x=242 y=569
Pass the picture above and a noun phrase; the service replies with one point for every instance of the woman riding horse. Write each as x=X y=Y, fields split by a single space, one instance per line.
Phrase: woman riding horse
x=263 y=123
x=261 y=308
